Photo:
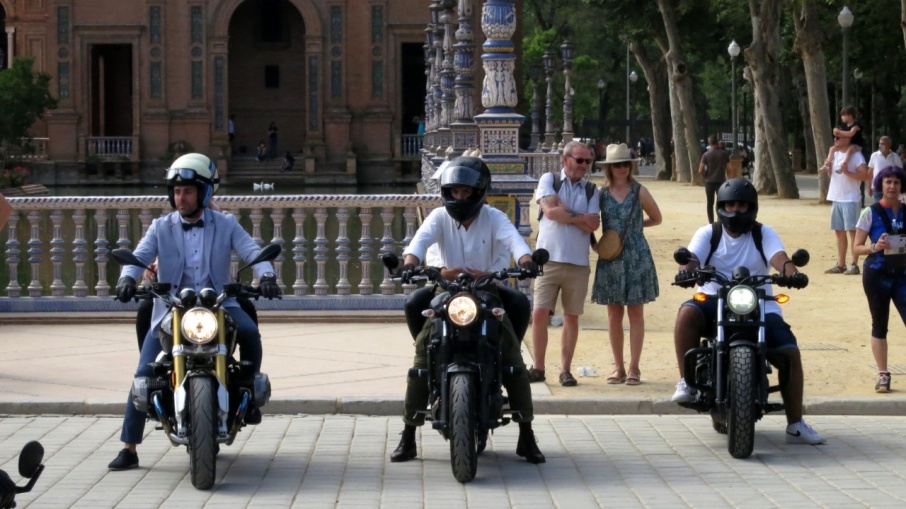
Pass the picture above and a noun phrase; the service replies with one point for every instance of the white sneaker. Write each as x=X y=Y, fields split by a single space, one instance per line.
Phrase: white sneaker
x=684 y=393
x=802 y=433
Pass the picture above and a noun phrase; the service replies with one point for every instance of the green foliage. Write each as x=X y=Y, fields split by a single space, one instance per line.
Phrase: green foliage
x=25 y=97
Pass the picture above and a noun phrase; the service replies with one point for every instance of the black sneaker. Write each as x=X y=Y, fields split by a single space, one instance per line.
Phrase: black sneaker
x=125 y=460
x=883 y=384
x=253 y=415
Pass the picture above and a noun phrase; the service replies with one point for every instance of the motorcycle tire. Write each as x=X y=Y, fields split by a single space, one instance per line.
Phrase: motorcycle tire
x=202 y=431
x=463 y=453
x=741 y=411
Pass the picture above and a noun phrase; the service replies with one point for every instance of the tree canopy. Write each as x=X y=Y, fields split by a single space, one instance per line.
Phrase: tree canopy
x=25 y=96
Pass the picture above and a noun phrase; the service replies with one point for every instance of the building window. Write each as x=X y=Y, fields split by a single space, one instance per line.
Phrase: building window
x=271 y=76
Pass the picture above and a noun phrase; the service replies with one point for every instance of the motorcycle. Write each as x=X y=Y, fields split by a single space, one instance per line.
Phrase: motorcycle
x=730 y=368
x=465 y=370
x=30 y=467
x=198 y=392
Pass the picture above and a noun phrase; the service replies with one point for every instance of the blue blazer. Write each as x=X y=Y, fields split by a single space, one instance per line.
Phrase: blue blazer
x=165 y=241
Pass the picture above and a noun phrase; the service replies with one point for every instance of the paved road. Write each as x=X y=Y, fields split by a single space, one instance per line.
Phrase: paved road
x=340 y=461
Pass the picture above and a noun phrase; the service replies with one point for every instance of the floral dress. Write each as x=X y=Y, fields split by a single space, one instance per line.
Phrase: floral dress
x=629 y=279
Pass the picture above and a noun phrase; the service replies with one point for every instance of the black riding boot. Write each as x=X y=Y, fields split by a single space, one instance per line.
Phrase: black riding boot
x=527 y=447
x=407 y=449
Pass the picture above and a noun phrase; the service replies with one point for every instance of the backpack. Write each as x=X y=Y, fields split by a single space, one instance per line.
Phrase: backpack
x=716 y=233
x=558 y=183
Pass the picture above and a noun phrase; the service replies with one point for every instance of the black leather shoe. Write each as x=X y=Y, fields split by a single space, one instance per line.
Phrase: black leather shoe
x=407 y=449
x=527 y=447
x=125 y=460
x=253 y=415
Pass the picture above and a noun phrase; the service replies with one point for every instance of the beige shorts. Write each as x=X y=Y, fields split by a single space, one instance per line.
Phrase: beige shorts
x=571 y=279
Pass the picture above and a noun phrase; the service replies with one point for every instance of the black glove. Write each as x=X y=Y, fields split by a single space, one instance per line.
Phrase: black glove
x=684 y=279
x=406 y=272
x=269 y=288
x=531 y=268
x=798 y=280
x=125 y=289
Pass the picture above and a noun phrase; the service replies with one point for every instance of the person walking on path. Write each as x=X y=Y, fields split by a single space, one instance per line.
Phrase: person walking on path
x=884 y=271
x=569 y=215
x=880 y=159
x=845 y=195
x=272 y=141
x=629 y=281
x=714 y=166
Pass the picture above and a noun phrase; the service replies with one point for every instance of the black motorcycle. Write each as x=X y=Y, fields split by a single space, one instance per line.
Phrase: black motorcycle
x=465 y=370
x=30 y=467
x=730 y=369
x=198 y=392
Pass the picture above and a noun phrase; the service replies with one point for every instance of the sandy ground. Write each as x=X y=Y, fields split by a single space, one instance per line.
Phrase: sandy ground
x=830 y=317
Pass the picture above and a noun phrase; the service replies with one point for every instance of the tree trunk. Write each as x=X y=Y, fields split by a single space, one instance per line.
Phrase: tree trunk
x=656 y=76
x=763 y=174
x=687 y=140
x=809 y=39
x=763 y=57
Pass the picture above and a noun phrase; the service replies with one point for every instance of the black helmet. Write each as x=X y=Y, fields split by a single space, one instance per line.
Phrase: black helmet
x=741 y=190
x=465 y=171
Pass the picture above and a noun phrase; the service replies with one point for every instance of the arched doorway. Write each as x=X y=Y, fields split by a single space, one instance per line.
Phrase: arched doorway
x=267 y=75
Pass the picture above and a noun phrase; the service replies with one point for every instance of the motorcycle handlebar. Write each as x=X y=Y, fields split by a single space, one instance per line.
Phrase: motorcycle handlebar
x=433 y=274
x=708 y=274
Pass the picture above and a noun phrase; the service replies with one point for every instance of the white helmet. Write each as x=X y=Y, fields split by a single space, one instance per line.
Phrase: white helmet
x=197 y=169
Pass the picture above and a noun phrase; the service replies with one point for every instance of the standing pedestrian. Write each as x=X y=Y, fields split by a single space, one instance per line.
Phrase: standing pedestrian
x=629 y=281
x=880 y=159
x=714 y=166
x=569 y=216
x=272 y=141
x=845 y=195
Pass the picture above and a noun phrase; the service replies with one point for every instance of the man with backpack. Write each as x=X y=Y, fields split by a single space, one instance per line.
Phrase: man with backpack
x=570 y=214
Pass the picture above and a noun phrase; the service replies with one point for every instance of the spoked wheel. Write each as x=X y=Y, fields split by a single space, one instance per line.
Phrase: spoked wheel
x=203 y=431
x=741 y=414
x=463 y=452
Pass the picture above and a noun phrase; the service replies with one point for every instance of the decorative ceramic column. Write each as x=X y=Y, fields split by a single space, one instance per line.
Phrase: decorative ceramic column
x=10 y=46
x=465 y=131
x=549 y=142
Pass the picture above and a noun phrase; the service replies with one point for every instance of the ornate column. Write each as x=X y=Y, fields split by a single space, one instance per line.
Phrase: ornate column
x=567 y=49
x=447 y=73
x=465 y=131
x=10 y=46
x=437 y=89
x=549 y=142
x=535 y=76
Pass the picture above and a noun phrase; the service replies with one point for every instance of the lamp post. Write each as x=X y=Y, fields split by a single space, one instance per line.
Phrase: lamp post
x=733 y=50
x=857 y=74
x=602 y=86
x=845 y=18
x=631 y=78
x=548 y=59
x=567 y=51
x=535 y=70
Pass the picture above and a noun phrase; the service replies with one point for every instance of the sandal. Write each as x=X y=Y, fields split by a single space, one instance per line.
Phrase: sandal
x=634 y=378
x=617 y=377
x=535 y=375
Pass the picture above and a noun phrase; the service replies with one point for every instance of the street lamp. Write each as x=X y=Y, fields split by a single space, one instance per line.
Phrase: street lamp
x=845 y=18
x=549 y=59
x=567 y=51
x=631 y=78
x=733 y=50
x=602 y=85
x=535 y=71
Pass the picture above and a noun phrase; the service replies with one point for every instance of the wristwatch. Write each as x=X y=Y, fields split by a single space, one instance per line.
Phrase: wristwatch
x=268 y=275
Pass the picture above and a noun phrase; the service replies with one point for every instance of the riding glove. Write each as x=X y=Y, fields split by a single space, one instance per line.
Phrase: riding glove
x=684 y=279
x=407 y=272
x=269 y=288
x=531 y=268
x=125 y=289
x=798 y=280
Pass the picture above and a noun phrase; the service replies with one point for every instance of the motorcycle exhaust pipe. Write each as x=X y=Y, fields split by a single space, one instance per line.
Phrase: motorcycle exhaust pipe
x=240 y=415
x=164 y=419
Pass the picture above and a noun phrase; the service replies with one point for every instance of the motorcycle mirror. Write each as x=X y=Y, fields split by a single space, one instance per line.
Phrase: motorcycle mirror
x=125 y=257
x=30 y=459
x=269 y=253
x=682 y=256
x=541 y=256
x=800 y=258
x=391 y=261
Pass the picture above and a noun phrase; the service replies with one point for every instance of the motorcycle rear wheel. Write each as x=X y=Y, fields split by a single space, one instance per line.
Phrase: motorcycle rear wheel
x=463 y=453
x=742 y=411
x=203 y=431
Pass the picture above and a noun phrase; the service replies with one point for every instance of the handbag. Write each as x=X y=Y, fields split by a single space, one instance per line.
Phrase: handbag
x=610 y=246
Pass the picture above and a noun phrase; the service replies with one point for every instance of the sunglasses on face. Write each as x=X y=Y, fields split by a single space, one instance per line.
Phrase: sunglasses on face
x=580 y=160
x=621 y=165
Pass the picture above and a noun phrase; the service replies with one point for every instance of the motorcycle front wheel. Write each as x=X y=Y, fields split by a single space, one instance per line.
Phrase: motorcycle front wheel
x=203 y=431
x=741 y=413
x=463 y=453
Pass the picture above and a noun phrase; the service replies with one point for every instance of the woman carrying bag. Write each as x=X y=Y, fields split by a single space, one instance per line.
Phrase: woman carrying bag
x=625 y=277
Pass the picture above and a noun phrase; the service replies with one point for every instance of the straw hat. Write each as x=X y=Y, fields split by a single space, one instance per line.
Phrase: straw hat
x=616 y=154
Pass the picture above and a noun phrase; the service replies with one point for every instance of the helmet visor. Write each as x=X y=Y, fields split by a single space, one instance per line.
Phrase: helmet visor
x=460 y=176
x=185 y=174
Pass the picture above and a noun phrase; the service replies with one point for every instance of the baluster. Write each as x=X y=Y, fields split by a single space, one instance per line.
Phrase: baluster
x=13 y=289
x=144 y=216
x=321 y=251
x=299 y=286
x=277 y=215
x=256 y=215
x=366 y=287
x=56 y=254
x=234 y=258
x=79 y=253
x=34 y=252
x=102 y=289
x=343 y=250
x=409 y=216
x=122 y=221
x=387 y=286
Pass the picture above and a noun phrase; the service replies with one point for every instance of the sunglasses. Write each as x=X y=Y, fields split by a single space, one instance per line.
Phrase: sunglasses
x=624 y=164
x=580 y=160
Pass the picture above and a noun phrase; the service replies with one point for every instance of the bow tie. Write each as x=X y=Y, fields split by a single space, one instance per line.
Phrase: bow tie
x=196 y=224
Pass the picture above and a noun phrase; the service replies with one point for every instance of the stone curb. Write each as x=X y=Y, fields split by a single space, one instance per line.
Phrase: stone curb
x=547 y=405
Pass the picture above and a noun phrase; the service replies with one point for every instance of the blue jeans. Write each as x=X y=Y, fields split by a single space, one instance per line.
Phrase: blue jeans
x=249 y=345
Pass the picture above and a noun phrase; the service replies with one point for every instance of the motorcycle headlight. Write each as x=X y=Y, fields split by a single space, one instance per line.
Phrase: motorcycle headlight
x=462 y=310
x=742 y=300
x=199 y=325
